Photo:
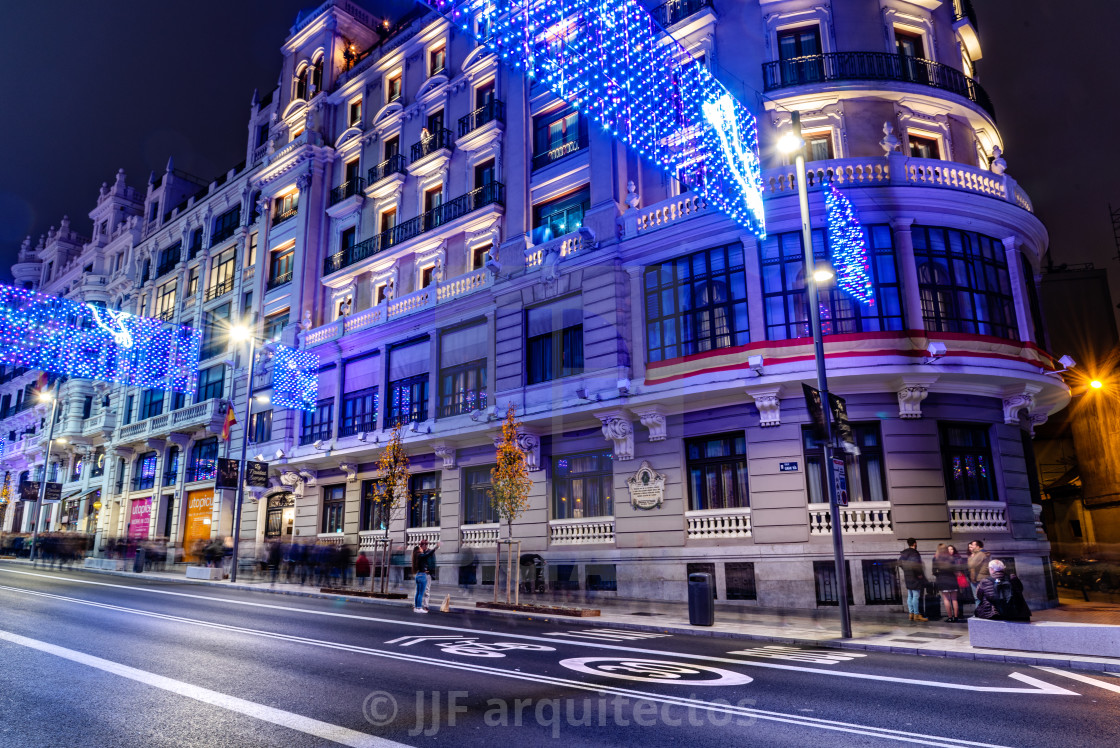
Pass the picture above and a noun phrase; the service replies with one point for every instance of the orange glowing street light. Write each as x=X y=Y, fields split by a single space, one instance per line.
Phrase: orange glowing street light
x=1096 y=384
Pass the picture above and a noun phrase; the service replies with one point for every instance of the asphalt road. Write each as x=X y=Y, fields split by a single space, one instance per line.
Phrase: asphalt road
x=89 y=659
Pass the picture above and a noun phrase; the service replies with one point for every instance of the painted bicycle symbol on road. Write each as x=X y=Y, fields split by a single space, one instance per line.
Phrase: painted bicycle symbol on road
x=656 y=671
x=470 y=646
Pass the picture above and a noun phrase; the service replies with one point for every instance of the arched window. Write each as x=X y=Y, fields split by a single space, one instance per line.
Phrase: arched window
x=317 y=75
x=301 y=83
x=937 y=299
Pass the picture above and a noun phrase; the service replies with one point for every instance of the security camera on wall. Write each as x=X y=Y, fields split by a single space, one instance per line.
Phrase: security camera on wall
x=1067 y=362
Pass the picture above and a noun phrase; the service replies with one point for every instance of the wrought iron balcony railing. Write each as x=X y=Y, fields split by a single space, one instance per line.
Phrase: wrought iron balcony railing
x=393 y=165
x=490 y=193
x=347 y=189
x=280 y=217
x=676 y=11
x=492 y=110
x=544 y=158
x=279 y=280
x=166 y=267
x=219 y=289
x=435 y=141
x=873 y=66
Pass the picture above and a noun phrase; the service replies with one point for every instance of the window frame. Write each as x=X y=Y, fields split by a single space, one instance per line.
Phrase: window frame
x=465 y=400
x=423 y=502
x=317 y=424
x=564 y=357
x=564 y=480
x=334 y=509
x=211 y=388
x=858 y=467
x=478 y=504
x=361 y=419
x=949 y=451
x=418 y=407
x=736 y=441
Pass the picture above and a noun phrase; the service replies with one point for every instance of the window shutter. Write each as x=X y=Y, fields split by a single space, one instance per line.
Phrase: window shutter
x=555 y=316
x=408 y=361
x=463 y=345
x=359 y=373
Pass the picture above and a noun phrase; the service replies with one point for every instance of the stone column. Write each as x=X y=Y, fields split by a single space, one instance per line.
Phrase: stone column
x=1019 y=290
x=637 y=325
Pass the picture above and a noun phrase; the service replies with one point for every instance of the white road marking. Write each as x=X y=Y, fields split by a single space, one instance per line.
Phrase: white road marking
x=609 y=635
x=307 y=725
x=796 y=654
x=537 y=678
x=1083 y=678
x=1040 y=686
x=655 y=671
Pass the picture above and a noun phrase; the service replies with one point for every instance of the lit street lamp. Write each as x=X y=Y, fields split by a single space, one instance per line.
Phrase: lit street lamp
x=792 y=143
x=45 y=396
x=237 y=334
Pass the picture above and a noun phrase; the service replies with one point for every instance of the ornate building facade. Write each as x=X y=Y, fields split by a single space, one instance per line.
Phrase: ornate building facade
x=451 y=238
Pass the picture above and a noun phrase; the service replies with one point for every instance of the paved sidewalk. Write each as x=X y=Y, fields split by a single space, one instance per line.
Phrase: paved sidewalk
x=811 y=628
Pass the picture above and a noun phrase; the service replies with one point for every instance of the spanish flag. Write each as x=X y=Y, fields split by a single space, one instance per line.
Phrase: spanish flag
x=230 y=420
x=43 y=382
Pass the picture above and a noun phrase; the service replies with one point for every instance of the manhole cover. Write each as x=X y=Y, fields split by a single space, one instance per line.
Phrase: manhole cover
x=931 y=636
x=647 y=614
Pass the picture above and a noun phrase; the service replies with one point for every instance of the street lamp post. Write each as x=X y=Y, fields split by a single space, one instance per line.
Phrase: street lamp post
x=793 y=143
x=46 y=466
x=242 y=333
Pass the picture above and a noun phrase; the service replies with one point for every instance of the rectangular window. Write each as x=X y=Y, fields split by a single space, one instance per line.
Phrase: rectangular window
x=435 y=123
x=423 y=505
x=351 y=176
x=192 y=281
x=818 y=146
x=128 y=403
x=280 y=266
x=359 y=412
x=251 y=252
x=274 y=325
x=964 y=283
x=215 y=332
x=602 y=577
x=408 y=384
x=478 y=504
x=315 y=424
x=285 y=207
x=355 y=113
x=169 y=258
x=393 y=89
x=196 y=244
x=909 y=44
x=151 y=403
x=703 y=568
x=462 y=374
x=828 y=586
x=211 y=383
x=372 y=513
x=785 y=298
x=561 y=215
x=484 y=173
x=388 y=219
x=582 y=485
x=225 y=225
x=924 y=147
x=865 y=472
x=717 y=472
x=478 y=256
x=392 y=147
x=880 y=582
x=799 y=52
x=221 y=274
x=437 y=61
x=554 y=341
x=348 y=238
x=87 y=408
x=556 y=135
x=427 y=275
x=334 y=508
x=204 y=460
x=696 y=303
x=145 y=472
x=165 y=300
x=967 y=454
x=260 y=427
x=740 y=581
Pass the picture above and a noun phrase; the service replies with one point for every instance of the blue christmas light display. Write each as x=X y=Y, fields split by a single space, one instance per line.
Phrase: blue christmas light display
x=611 y=60
x=849 y=247
x=295 y=378
x=63 y=336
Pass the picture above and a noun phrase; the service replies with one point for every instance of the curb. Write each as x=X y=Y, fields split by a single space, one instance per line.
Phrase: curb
x=1012 y=657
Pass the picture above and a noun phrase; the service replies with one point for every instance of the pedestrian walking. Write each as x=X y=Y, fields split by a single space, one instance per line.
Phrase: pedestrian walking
x=1000 y=596
x=914 y=577
x=964 y=589
x=361 y=569
x=978 y=559
x=423 y=562
x=945 y=578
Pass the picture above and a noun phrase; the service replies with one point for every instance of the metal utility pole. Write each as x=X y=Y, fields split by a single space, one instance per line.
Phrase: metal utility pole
x=244 y=448
x=822 y=383
x=46 y=467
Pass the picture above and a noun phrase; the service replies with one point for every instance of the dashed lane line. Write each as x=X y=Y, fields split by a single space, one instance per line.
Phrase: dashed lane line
x=1083 y=678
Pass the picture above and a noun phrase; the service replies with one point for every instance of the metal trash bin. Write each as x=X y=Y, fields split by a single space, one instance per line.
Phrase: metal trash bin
x=701 y=600
x=138 y=561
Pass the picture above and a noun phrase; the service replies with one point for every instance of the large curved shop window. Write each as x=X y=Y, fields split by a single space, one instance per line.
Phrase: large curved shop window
x=785 y=299
x=964 y=283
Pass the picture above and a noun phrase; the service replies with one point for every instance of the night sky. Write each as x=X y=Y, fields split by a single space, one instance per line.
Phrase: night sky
x=92 y=87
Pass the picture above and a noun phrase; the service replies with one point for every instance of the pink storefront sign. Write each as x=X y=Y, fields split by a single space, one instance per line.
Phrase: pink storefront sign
x=140 y=519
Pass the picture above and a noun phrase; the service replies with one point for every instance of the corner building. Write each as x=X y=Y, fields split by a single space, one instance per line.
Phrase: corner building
x=450 y=238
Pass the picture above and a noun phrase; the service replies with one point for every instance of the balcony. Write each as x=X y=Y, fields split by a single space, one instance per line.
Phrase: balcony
x=280 y=216
x=279 y=280
x=219 y=289
x=479 y=536
x=978 y=516
x=417 y=534
x=220 y=235
x=166 y=268
x=207 y=414
x=347 y=189
x=873 y=66
x=963 y=11
x=709 y=524
x=440 y=140
x=543 y=159
x=591 y=531
x=492 y=193
x=493 y=111
x=166 y=315
x=858 y=518
x=675 y=11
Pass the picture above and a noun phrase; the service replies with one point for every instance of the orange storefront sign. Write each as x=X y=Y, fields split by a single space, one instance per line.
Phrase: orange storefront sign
x=200 y=509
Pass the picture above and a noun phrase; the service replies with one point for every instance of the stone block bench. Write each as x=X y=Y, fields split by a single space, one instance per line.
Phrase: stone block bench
x=204 y=572
x=1092 y=639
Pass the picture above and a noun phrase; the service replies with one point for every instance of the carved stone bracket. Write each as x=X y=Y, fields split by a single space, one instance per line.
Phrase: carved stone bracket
x=446 y=453
x=653 y=418
x=350 y=469
x=1014 y=404
x=768 y=400
x=292 y=480
x=530 y=446
x=619 y=429
x=910 y=399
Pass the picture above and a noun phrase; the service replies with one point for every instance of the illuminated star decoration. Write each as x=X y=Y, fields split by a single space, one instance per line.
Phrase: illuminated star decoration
x=612 y=61
x=295 y=378
x=849 y=247
x=89 y=341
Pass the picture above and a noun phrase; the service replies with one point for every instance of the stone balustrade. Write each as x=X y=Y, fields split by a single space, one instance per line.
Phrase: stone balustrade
x=411 y=302
x=416 y=534
x=708 y=524
x=462 y=285
x=372 y=316
x=581 y=531
x=479 y=536
x=978 y=516
x=566 y=246
x=858 y=518
x=369 y=540
x=199 y=414
x=331 y=538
